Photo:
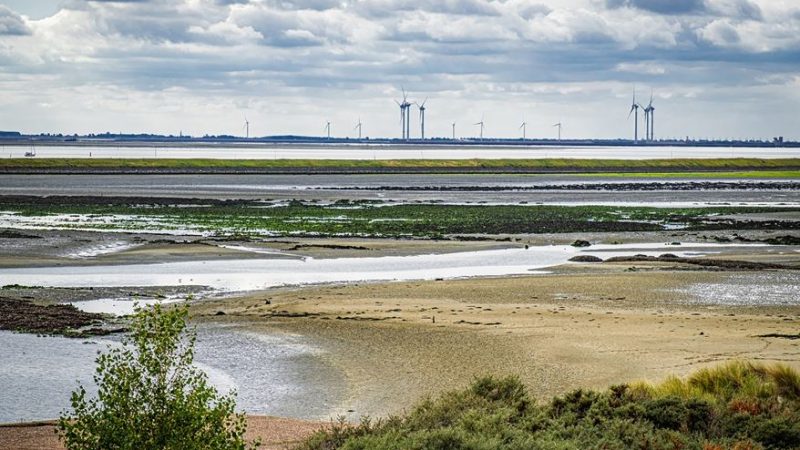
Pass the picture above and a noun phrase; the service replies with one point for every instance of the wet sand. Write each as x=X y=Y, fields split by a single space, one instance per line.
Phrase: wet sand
x=583 y=326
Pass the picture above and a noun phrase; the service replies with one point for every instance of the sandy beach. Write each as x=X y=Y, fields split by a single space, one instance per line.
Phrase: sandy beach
x=275 y=433
x=581 y=326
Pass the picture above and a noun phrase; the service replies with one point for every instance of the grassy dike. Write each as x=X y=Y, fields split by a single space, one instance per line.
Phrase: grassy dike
x=738 y=405
x=734 y=167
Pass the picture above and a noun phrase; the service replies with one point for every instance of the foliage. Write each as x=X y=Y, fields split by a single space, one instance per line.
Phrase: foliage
x=151 y=397
x=734 y=406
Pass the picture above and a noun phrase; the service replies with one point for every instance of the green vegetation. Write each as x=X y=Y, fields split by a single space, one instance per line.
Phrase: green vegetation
x=735 y=406
x=752 y=174
x=245 y=218
x=150 y=397
x=553 y=165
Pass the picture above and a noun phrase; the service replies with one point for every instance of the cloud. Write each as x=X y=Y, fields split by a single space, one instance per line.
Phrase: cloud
x=661 y=6
x=276 y=54
x=737 y=9
x=11 y=24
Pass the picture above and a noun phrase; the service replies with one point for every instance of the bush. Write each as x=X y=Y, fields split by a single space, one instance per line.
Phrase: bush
x=151 y=397
x=740 y=406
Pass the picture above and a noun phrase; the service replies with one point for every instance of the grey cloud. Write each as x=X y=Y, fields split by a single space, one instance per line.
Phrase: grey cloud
x=661 y=6
x=11 y=24
x=330 y=57
x=389 y=8
x=739 y=9
x=317 y=5
x=533 y=10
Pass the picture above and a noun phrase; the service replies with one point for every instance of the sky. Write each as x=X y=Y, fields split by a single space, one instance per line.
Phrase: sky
x=715 y=68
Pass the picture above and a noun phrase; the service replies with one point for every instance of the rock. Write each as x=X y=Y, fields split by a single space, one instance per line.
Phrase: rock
x=586 y=259
x=220 y=313
x=668 y=256
x=581 y=243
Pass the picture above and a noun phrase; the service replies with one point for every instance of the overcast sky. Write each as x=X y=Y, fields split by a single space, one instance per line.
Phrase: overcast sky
x=717 y=68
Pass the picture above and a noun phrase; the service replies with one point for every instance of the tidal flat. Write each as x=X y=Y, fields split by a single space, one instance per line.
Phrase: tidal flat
x=343 y=218
x=369 y=305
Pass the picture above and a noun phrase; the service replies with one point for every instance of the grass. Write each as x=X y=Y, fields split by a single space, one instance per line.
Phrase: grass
x=738 y=405
x=787 y=166
x=369 y=219
x=753 y=174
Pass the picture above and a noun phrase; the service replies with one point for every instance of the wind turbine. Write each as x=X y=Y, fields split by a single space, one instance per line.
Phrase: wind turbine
x=402 y=119
x=650 y=119
x=635 y=108
x=559 y=130
x=481 y=124
x=454 y=131
x=422 y=117
x=358 y=126
x=246 y=128
x=524 y=128
x=407 y=119
x=328 y=128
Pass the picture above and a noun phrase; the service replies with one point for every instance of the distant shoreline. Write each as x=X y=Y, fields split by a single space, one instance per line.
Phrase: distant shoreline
x=149 y=141
x=734 y=167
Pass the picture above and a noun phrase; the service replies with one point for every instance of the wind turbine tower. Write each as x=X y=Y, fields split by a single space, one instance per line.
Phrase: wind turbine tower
x=328 y=128
x=481 y=124
x=559 y=130
x=246 y=128
x=402 y=118
x=524 y=127
x=650 y=119
x=422 y=118
x=358 y=127
x=405 y=118
x=635 y=108
x=454 y=131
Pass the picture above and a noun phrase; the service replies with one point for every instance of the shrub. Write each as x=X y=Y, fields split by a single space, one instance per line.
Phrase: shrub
x=151 y=397
x=739 y=406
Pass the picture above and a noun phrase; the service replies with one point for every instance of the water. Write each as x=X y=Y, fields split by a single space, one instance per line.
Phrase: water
x=406 y=188
x=256 y=274
x=367 y=152
x=273 y=374
x=750 y=289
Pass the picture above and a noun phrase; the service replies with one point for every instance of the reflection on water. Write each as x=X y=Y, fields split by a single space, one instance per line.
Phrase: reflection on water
x=254 y=274
x=276 y=374
x=748 y=289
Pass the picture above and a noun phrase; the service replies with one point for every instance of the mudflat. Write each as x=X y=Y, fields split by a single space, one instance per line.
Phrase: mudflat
x=583 y=325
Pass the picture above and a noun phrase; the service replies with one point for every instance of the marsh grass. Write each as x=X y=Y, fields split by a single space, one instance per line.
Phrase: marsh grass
x=739 y=405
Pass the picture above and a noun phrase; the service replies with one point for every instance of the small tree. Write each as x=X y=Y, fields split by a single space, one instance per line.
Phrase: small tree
x=151 y=397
